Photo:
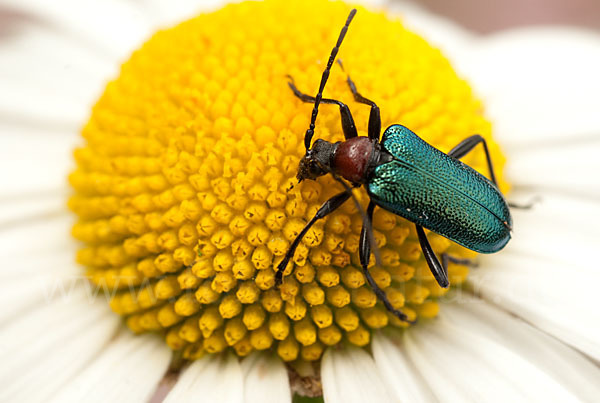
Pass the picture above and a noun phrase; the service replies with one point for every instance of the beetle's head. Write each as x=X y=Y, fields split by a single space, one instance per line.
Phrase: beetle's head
x=317 y=160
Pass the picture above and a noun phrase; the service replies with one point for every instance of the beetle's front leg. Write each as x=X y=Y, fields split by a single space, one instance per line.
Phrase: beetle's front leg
x=348 y=126
x=364 y=254
x=326 y=208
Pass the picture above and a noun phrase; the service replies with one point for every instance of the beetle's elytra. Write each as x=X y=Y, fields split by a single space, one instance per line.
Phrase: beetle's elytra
x=406 y=176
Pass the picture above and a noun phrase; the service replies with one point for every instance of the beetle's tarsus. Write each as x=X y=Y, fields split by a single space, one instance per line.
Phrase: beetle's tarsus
x=278 y=279
x=527 y=206
x=446 y=258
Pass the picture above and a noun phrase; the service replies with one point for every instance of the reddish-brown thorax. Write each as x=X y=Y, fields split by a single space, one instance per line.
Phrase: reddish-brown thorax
x=352 y=158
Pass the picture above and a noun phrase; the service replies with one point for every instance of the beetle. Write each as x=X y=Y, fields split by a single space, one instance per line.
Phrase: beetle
x=406 y=176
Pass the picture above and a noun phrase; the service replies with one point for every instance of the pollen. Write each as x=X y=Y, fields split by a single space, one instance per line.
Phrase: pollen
x=185 y=190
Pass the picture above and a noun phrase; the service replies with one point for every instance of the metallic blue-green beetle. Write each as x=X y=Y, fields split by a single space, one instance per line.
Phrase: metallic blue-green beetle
x=407 y=176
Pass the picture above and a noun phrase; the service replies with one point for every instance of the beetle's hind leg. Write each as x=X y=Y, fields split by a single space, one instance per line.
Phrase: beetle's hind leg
x=375 y=116
x=467 y=145
x=364 y=253
x=348 y=125
x=439 y=270
x=446 y=259
x=525 y=206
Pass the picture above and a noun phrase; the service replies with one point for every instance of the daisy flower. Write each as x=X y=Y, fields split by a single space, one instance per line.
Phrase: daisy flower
x=183 y=199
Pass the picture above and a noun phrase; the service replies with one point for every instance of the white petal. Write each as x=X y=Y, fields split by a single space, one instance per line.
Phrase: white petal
x=454 y=40
x=51 y=344
x=433 y=368
x=538 y=84
x=398 y=372
x=214 y=378
x=558 y=228
x=566 y=366
x=38 y=163
x=128 y=369
x=546 y=273
x=265 y=379
x=49 y=79
x=29 y=207
x=460 y=358
x=27 y=106
x=567 y=166
x=164 y=14
x=349 y=375
x=68 y=65
x=31 y=238
x=167 y=13
x=38 y=263
x=44 y=277
x=555 y=297
x=373 y=4
x=111 y=27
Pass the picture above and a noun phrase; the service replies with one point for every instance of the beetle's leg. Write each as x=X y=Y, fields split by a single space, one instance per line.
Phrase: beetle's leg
x=348 y=125
x=374 y=116
x=364 y=253
x=446 y=258
x=527 y=206
x=465 y=146
x=439 y=270
x=326 y=208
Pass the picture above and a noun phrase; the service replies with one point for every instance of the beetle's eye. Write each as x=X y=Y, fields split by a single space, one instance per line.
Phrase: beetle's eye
x=315 y=169
x=309 y=168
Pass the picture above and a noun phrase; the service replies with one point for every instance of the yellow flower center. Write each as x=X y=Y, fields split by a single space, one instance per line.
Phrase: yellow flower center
x=185 y=189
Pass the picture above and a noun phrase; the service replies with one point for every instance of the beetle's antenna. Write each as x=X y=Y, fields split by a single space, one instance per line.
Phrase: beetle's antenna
x=311 y=130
